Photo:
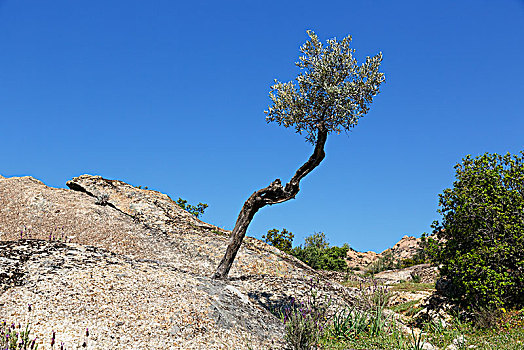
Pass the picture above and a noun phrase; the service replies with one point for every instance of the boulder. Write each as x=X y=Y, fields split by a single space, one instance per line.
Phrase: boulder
x=102 y=253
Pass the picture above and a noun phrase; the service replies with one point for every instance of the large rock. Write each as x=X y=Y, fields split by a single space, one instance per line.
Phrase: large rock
x=406 y=248
x=152 y=208
x=125 y=303
x=158 y=248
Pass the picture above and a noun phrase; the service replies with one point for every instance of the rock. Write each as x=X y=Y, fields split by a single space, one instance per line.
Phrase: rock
x=150 y=207
x=358 y=261
x=458 y=343
x=425 y=273
x=428 y=346
x=155 y=299
x=82 y=265
x=406 y=248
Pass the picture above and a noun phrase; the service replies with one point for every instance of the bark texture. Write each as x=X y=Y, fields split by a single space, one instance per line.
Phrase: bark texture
x=272 y=194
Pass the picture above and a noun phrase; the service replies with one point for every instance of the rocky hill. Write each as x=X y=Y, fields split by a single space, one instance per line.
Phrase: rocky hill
x=406 y=248
x=133 y=268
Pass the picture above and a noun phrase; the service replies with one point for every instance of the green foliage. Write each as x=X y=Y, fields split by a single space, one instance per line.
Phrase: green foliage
x=281 y=240
x=331 y=88
x=422 y=256
x=15 y=337
x=367 y=317
x=482 y=232
x=305 y=321
x=319 y=255
x=194 y=210
x=386 y=262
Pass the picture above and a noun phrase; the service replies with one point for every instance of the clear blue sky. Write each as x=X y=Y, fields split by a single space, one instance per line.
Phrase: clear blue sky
x=171 y=95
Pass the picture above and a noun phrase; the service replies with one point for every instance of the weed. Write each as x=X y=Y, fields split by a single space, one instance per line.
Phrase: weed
x=373 y=296
x=405 y=307
x=305 y=321
x=413 y=287
x=102 y=199
x=486 y=317
x=415 y=278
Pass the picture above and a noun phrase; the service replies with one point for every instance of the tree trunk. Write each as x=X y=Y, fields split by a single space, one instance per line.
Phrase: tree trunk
x=272 y=194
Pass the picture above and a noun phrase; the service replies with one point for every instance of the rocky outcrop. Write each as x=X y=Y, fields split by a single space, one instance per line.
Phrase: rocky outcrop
x=406 y=248
x=72 y=287
x=423 y=273
x=358 y=261
x=149 y=255
x=152 y=208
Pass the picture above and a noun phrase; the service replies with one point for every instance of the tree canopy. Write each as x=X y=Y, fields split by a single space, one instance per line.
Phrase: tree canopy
x=330 y=94
x=481 y=236
x=331 y=91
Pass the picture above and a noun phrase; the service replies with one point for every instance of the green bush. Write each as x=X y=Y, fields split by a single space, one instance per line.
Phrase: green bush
x=195 y=210
x=305 y=321
x=481 y=236
x=317 y=253
x=281 y=240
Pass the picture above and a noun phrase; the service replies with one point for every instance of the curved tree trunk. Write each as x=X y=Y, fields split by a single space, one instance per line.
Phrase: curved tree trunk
x=272 y=194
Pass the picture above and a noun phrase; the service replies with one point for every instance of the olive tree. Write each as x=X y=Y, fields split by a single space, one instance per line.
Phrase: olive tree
x=330 y=94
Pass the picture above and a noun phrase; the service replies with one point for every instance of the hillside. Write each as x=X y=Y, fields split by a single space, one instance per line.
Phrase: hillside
x=133 y=268
x=406 y=248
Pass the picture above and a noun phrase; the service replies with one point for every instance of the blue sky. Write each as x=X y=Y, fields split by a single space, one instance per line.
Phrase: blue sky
x=171 y=95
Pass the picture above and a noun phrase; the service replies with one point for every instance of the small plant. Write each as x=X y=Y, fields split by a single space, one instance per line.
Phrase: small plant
x=418 y=340
x=415 y=278
x=348 y=323
x=102 y=199
x=486 y=317
x=317 y=253
x=373 y=296
x=192 y=209
x=305 y=322
x=281 y=240
x=15 y=337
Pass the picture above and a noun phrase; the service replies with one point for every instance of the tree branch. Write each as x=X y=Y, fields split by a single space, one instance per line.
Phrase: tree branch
x=272 y=194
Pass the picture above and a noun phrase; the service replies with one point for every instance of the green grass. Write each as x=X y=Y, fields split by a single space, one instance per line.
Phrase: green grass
x=500 y=338
x=413 y=287
x=507 y=334
x=405 y=307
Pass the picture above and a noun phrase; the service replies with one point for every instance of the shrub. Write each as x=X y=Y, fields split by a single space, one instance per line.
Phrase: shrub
x=102 y=199
x=281 y=240
x=367 y=316
x=191 y=209
x=482 y=232
x=319 y=255
x=386 y=262
x=15 y=337
x=306 y=321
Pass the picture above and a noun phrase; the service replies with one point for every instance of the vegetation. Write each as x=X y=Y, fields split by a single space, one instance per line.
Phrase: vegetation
x=413 y=287
x=386 y=262
x=305 y=321
x=317 y=253
x=281 y=240
x=482 y=226
x=192 y=209
x=330 y=95
x=16 y=337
